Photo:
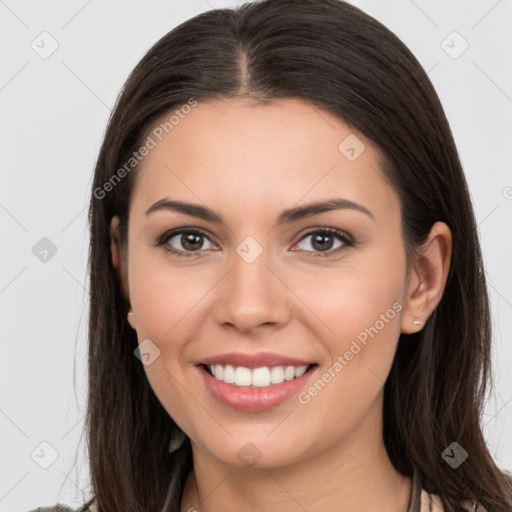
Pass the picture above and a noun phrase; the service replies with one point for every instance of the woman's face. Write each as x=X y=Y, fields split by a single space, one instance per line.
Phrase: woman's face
x=264 y=290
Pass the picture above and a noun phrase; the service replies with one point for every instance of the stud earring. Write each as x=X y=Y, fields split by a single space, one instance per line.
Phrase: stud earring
x=418 y=322
x=130 y=319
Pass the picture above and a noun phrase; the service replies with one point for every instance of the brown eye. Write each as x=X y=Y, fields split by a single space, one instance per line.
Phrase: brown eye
x=327 y=240
x=184 y=242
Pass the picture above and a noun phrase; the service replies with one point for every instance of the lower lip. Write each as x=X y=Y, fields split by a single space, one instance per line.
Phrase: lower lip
x=253 y=399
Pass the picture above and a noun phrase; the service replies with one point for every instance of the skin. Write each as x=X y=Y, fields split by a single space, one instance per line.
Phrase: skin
x=248 y=163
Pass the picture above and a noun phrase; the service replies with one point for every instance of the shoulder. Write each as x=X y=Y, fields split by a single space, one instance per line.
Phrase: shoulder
x=432 y=502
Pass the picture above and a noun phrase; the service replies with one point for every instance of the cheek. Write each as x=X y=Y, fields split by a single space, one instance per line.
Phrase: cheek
x=355 y=301
x=164 y=298
x=165 y=303
x=366 y=321
x=361 y=307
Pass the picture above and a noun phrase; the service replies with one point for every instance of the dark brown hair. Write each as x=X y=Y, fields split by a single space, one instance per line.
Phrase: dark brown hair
x=341 y=60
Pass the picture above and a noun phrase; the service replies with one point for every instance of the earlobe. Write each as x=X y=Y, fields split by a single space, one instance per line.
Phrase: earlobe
x=429 y=273
x=131 y=319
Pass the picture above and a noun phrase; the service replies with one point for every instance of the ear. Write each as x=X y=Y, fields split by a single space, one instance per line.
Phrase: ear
x=118 y=259
x=427 y=278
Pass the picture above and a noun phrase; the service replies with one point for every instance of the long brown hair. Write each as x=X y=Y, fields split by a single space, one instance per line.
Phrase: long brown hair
x=339 y=59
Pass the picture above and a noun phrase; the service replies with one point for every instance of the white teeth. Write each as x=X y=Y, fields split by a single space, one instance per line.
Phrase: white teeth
x=242 y=376
x=229 y=374
x=258 y=377
x=289 y=373
x=300 y=371
x=219 y=371
x=277 y=375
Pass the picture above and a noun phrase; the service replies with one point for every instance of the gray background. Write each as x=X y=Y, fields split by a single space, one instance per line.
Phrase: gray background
x=54 y=112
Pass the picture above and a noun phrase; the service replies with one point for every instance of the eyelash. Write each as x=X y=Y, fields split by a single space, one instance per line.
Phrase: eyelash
x=343 y=237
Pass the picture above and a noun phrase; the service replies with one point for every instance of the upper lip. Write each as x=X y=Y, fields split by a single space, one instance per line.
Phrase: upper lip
x=254 y=360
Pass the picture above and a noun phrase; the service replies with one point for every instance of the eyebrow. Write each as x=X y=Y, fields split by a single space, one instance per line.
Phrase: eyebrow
x=286 y=217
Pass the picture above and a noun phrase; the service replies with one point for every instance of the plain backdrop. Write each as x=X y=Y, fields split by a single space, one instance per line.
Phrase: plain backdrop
x=62 y=64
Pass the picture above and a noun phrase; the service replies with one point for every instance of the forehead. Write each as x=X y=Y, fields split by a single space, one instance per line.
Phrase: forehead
x=256 y=155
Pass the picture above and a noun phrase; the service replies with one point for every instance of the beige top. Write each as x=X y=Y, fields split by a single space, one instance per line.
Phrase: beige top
x=421 y=501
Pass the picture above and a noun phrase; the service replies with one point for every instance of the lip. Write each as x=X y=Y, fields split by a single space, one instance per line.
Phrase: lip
x=252 y=361
x=254 y=399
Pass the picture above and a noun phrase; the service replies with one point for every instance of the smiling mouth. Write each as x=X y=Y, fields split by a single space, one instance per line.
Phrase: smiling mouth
x=262 y=377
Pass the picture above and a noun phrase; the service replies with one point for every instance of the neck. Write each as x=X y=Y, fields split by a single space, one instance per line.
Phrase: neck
x=353 y=474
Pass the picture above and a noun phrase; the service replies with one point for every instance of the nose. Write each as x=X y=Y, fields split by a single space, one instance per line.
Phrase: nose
x=252 y=296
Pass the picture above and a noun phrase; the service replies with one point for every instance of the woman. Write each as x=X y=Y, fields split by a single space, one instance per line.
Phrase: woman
x=287 y=287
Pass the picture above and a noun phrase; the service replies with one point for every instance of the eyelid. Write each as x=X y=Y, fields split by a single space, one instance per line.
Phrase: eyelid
x=167 y=235
x=334 y=231
x=346 y=239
